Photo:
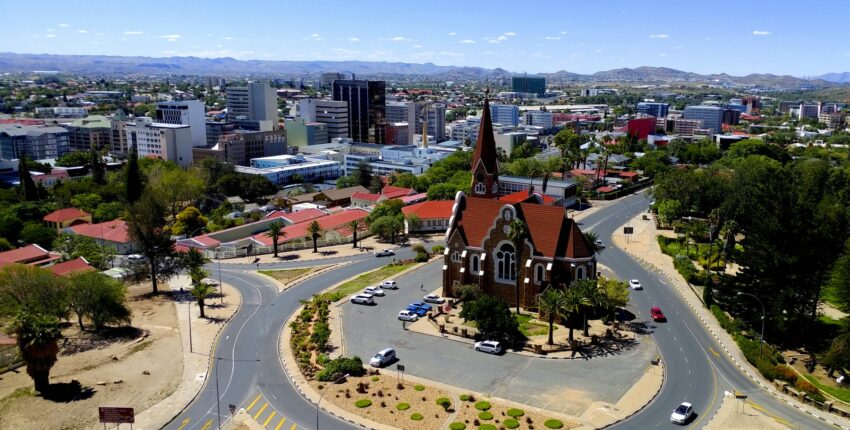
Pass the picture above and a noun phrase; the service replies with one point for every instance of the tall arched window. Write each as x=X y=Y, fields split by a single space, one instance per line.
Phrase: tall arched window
x=480 y=188
x=455 y=256
x=538 y=274
x=506 y=263
x=580 y=273
x=474 y=265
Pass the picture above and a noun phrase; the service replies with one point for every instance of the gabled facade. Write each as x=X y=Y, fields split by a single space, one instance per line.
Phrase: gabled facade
x=485 y=161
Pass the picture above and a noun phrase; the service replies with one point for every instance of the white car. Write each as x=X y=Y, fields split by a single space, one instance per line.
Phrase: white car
x=382 y=358
x=135 y=257
x=389 y=285
x=682 y=414
x=598 y=242
x=635 y=284
x=363 y=299
x=406 y=315
x=384 y=253
x=375 y=291
x=433 y=298
x=491 y=346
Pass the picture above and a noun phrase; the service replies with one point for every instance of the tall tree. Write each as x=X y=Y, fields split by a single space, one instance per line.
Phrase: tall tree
x=590 y=298
x=133 y=178
x=276 y=232
x=147 y=228
x=314 y=229
x=552 y=303
x=201 y=292
x=516 y=234
x=99 y=298
x=591 y=237
x=29 y=192
x=354 y=225
x=98 y=169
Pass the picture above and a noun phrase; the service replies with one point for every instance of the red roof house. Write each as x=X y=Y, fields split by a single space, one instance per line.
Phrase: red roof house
x=114 y=234
x=433 y=215
x=32 y=255
x=64 y=218
x=78 y=264
x=333 y=226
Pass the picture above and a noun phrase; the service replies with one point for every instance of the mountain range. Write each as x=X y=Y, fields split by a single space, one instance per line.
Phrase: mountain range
x=125 y=65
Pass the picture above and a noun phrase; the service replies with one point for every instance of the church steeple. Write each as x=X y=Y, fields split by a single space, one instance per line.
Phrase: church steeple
x=485 y=162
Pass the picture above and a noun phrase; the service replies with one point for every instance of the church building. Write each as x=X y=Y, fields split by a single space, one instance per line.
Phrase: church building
x=481 y=246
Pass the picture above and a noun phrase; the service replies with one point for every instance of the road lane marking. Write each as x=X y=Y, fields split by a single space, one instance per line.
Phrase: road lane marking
x=248 y=409
x=207 y=425
x=183 y=424
x=762 y=409
x=715 y=353
x=271 y=415
x=293 y=427
x=260 y=412
x=282 y=420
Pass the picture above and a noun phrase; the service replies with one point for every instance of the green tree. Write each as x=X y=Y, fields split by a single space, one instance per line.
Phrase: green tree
x=591 y=237
x=72 y=246
x=346 y=182
x=387 y=227
x=98 y=169
x=314 y=229
x=590 y=298
x=147 y=228
x=194 y=260
x=5 y=245
x=354 y=225
x=87 y=202
x=39 y=234
x=838 y=355
x=669 y=210
x=839 y=278
x=99 y=298
x=29 y=192
x=133 y=180
x=108 y=211
x=492 y=318
x=363 y=175
x=552 y=303
x=616 y=293
x=74 y=159
x=190 y=221
x=516 y=234
x=178 y=188
x=201 y=292
x=412 y=222
x=276 y=232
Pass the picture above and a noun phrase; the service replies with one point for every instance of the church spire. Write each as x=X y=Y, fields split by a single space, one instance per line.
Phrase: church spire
x=485 y=162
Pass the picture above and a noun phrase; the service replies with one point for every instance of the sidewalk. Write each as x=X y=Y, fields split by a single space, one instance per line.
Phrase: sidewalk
x=196 y=363
x=643 y=246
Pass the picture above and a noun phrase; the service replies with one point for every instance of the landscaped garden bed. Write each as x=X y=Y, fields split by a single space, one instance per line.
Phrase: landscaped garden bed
x=476 y=413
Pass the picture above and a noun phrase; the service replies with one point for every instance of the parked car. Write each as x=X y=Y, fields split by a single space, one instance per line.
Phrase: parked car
x=433 y=298
x=635 y=284
x=382 y=358
x=599 y=243
x=375 y=291
x=389 y=285
x=385 y=253
x=422 y=305
x=420 y=311
x=406 y=315
x=363 y=299
x=491 y=346
x=682 y=414
x=135 y=257
x=656 y=314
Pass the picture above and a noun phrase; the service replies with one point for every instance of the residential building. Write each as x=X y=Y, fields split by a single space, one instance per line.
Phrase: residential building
x=711 y=116
x=540 y=118
x=437 y=122
x=529 y=84
x=255 y=102
x=112 y=234
x=334 y=114
x=810 y=111
x=299 y=132
x=76 y=265
x=686 y=126
x=31 y=255
x=63 y=218
x=366 y=108
x=334 y=226
x=280 y=169
x=93 y=131
x=432 y=216
x=186 y=112
x=36 y=142
x=465 y=130
x=404 y=112
x=505 y=114
x=658 y=110
x=170 y=142
x=118 y=139
x=832 y=120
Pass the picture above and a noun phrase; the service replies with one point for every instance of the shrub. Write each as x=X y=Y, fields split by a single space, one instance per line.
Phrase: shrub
x=457 y=426
x=553 y=424
x=363 y=403
x=419 y=387
x=323 y=359
x=511 y=423
x=444 y=402
x=340 y=366
x=437 y=249
x=375 y=378
x=403 y=406
x=482 y=406
x=515 y=413
x=785 y=373
x=416 y=416
x=321 y=334
x=421 y=257
x=486 y=416
x=809 y=389
x=464 y=397
x=487 y=427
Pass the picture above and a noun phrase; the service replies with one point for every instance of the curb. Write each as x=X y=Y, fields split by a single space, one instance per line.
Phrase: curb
x=281 y=287
x=651 y=400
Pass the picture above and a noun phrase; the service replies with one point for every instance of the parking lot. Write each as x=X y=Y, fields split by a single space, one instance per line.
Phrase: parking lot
x=368 y=329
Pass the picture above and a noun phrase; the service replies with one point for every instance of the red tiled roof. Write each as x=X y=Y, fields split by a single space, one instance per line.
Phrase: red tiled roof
x=51 y=176
x=485 y=147
x=434 y=209
x=24 y=255
x=305 y=215
x=113 y=231
x=628 y=174
x=391 y=192
x=365 y=196
x=605 y=189
x=205 y=241
x=78 y=264
x=335 y=221
x=66 y=214
x=521 y=196
x=414 y=198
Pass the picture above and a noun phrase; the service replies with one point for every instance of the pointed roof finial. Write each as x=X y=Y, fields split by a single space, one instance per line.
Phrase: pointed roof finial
x=487 y=92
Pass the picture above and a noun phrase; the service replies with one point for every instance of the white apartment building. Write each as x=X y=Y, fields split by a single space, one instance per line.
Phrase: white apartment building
x=539 y=118
x=281 y=168
x=437 y=121
x=187 y=112
x=465 y=129
x=404 y=112
x=170 y=142
x=332 y=113
x=255 y=102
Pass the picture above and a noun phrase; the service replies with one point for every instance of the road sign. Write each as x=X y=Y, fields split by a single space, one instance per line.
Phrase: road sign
x=740 y=395
x=628 y=230
x=399 y=367
x=116 y=415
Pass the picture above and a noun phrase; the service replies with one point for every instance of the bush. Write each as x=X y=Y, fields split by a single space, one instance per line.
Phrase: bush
x=323 y=359
x=416 y=416
x=486 y=416
x=809 y=389
x=487 y=427
x=515 y=413
x=464 y=397
x=375 y=379
x=482 y=406
x=785 y=373
x=444 y=402
x=403 y=406
x=421 y=257
x=553 y=424
x=457 y=426
x=340 y=366
x=437 y=249
x=363 y=403
x=419 y=387
x=511 y=423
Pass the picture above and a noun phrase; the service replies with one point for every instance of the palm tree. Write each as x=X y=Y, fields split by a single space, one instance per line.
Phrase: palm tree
x=572 y=305
x=37 y=339
x=276 y=232
x=197 y=275
x=354 y=225
x=314 y=230
x=201 y=291
x=194 y=259
x=591 y=238
x=516 y=234
x=552 y=302
x=590 y=297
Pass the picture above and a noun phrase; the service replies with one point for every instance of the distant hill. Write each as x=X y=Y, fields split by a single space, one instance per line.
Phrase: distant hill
x=119 y=65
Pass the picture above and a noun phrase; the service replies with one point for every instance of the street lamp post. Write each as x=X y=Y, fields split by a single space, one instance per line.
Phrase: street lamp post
x=189 y=321
x=217 y=394
x=323 y=395
x=763 y=315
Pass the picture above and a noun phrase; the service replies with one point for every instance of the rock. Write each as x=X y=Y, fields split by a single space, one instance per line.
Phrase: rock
x=114 y=358
x=118 y=381
x=100 y=383
x=146 y=372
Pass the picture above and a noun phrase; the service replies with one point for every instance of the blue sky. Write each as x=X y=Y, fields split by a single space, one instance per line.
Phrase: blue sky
x=742 y=37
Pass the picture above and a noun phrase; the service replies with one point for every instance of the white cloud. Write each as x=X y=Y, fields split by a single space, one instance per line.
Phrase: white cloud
x=562 y=32
x=315 y=36
x=761 y=33
x=171 y=37
x=353 y=39
x=467 y=41
x=82 y=31
x=662 y=55
x=659 y=36
x=598 y=51
x=552 y=38
x=64 y=25
x=452 y=34
x=416 y=46
x=50 y=30
x=50 y=35
x=493 y=41
x=133 y=33
x=400 y=39
x=510 y=33
x=500 y=38
x=229 y=38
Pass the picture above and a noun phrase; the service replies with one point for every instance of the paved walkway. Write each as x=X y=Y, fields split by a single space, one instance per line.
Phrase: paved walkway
x=643 y=246
x=195 y=363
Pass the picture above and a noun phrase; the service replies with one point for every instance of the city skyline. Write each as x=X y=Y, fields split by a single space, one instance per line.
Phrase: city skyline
x=755 y=37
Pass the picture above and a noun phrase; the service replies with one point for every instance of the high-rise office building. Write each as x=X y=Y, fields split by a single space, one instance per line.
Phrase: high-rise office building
x=255 y=102
x=539 y=118
x=187 y=112
x=403 y=112
x=169 y=142
x=328 y=79
x=711 y=116
x=36 y=142
x=658 y=110
x=366 y=108
x=437 y=122
x=334 y=114
x=529 y=84
x=505 y=114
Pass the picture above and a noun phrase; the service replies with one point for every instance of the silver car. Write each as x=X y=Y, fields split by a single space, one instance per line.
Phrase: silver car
x=382 y=358
x=433 y=298
x=491 y=346
x=375 y=291
x=363 y=299
x=406 y=315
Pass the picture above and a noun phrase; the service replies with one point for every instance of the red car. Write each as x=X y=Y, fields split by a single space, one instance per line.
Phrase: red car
x=656 y=314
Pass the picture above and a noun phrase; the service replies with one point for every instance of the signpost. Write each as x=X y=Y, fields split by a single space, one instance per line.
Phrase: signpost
x=400 y=369
x=628 y=231
x=116 y=415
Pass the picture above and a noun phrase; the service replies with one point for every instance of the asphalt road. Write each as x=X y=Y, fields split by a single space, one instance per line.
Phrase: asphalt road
x=250 y=374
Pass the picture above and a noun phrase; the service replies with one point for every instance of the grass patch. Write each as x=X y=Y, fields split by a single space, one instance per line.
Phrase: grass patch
x=487 y=427
x=363 y=403
x=416 y=416
x=464 y=397
x=515 y=413
x=141 y=346
x=486 y=416
x=419 y=387
x=403 y=406
x=370 y=278
x=531 y=328
x=842 y=394
x=289 y=275
x=553 y=424
x=482 y=406
x=829 y=295
x=511 y=423
x=457 y=426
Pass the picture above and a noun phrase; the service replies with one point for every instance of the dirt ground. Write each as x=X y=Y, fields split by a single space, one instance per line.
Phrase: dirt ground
x=111 y=374
x=740 y=415
x=469 y=415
